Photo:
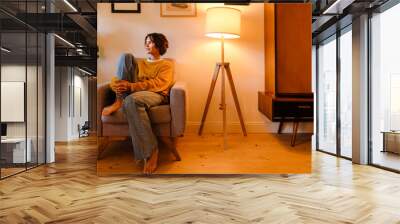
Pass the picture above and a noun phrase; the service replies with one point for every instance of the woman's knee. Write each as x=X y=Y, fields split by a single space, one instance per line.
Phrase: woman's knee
x=133 y=99
x=126 y=65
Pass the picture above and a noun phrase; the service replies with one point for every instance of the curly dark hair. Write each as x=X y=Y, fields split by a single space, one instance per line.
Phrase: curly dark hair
x=160 y=41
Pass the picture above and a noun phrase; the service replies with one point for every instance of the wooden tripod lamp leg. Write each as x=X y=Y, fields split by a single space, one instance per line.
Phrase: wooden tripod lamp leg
x=237 y=105
x=223 y=108
x=209 y=97
x=295 y=126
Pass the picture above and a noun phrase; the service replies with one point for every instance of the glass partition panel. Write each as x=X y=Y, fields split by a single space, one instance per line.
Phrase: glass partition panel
x=14 y=153
x=31 y=97
x=22 y=62
x=41 y=98
x=346 y=94
x=327 y=96
x=385 y=89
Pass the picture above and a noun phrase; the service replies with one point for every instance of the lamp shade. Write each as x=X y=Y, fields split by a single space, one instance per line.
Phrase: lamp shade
x=223 y=22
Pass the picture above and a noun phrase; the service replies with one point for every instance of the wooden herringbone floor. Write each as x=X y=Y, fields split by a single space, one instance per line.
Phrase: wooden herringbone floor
x=253 y=154
x=70 y=192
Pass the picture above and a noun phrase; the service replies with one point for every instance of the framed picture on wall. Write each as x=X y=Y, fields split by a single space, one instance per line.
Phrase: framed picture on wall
x=178 y=9
x=125 y=7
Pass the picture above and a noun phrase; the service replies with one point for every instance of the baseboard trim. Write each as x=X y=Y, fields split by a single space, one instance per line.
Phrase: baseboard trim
x=251 y=127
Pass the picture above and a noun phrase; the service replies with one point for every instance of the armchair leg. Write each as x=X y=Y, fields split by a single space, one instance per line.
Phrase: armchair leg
x=102 y=143
x=171 y=143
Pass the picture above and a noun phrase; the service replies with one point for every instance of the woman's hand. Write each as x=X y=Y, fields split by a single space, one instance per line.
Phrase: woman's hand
x=122 y=86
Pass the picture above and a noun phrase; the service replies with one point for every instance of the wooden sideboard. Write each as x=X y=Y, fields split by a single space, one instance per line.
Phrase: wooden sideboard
x=288 y=45
x=285 y=108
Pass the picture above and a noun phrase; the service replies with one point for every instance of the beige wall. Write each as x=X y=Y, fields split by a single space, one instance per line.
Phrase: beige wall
x=195 y=57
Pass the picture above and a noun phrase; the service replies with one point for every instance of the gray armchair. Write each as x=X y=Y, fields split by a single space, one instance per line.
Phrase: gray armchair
x=168 y=120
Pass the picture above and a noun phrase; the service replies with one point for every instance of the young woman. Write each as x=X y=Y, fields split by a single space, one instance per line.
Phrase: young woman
x=139 y=85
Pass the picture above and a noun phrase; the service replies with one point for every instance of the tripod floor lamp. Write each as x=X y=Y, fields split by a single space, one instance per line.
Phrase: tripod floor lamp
x=223 y=23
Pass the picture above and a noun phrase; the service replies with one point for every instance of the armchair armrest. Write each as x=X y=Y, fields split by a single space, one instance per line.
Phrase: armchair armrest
x=105 y=96
x=178 y=106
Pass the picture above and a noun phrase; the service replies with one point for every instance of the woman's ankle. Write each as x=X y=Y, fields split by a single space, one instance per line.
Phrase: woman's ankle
x=151 y=163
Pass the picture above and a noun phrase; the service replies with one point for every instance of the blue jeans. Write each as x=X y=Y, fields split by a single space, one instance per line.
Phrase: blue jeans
x=135 y=107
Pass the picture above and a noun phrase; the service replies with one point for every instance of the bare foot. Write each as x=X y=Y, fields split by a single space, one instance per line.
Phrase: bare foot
x=151 y=164
x=112 y=108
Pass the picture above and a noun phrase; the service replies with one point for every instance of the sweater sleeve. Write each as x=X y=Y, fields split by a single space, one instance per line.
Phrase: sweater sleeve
x=160 y=83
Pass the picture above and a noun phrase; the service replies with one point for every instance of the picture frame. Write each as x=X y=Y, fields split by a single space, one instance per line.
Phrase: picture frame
x=246 y=3
x=178 y=10
x=125 y=7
